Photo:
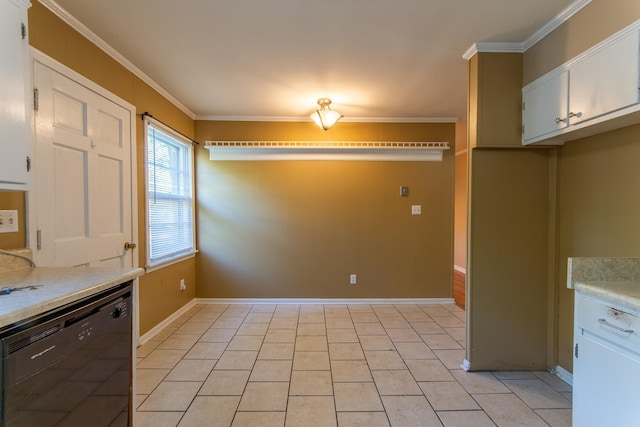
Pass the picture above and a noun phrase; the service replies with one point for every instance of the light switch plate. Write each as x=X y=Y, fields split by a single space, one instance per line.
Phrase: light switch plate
x=8 y=221
x=404 y=191
x=416 y=209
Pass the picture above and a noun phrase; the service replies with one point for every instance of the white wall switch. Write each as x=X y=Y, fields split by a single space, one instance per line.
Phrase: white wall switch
x=416 y=209
x=353 y=279
x=8 y=221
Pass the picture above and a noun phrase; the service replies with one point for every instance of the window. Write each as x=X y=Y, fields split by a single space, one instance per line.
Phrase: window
x=170 y=224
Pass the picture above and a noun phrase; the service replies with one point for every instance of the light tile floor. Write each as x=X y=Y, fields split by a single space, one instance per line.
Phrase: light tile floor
x=316 y=365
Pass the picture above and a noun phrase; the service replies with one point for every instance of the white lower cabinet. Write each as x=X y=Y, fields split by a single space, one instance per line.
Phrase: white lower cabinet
x=606 y=364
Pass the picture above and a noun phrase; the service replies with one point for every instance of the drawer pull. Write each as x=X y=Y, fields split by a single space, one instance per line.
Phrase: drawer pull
x=617 y=328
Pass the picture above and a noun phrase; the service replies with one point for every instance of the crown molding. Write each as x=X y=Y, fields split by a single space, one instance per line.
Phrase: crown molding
x=522 y=47
x=343 y=120
x=70 y=20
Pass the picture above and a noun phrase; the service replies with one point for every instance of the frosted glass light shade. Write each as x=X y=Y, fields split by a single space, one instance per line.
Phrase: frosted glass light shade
x=324 y=116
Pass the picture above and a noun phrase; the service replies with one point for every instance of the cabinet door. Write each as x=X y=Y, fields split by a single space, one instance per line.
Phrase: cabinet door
x=544 y=108
x=606 y=80
x=14 y=130
x=605 y=385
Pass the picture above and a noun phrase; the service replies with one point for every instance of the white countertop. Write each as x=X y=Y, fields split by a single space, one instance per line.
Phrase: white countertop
x=57 y=286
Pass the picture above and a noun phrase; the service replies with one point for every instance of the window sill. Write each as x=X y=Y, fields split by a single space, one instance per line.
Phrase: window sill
x=161 y=265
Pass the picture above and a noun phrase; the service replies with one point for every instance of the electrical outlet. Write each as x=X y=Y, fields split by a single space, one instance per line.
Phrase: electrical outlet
x=8 y=221
x=353 y=279
x=183 y=287
x=416 y=209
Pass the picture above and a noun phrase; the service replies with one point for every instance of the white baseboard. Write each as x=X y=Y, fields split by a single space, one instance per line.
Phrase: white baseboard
x=324 y=300
x=466 y=365
x=563 y=374
x=160 y=326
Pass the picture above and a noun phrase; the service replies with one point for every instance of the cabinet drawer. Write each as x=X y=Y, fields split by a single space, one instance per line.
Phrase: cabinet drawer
x=617 y=325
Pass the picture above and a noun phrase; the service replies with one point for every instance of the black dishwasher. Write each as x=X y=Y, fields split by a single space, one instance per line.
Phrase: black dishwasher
x=70 y=366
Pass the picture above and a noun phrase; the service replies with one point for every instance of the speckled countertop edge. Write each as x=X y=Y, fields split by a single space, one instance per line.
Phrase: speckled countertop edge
x=614 y=279
x=58 y=286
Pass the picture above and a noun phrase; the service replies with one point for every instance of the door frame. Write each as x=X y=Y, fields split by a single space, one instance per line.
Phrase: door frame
x=32 y=220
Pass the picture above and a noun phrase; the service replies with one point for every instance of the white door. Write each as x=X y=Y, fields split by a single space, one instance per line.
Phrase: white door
x=83 y=160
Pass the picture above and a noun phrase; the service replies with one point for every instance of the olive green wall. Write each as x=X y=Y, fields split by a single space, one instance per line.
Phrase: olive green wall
x=159 y=291
x=598 y=177
x=298 y=229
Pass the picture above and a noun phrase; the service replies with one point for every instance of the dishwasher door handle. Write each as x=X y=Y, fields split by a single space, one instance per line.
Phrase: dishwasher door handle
x=617 y=328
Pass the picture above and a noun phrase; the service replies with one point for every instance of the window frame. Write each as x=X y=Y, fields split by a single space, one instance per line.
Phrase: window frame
x=178 y=256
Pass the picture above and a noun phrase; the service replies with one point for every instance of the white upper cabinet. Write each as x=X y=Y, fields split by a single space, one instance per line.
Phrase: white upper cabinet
x=15 y=133
x=595 y=92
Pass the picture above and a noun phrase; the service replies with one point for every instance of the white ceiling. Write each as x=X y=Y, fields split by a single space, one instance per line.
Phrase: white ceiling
x=397 y=60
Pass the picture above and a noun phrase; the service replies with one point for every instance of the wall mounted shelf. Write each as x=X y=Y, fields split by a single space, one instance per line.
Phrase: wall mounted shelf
x=326 y=150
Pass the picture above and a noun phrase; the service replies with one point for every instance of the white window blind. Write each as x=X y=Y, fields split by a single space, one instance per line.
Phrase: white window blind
x=169 y=195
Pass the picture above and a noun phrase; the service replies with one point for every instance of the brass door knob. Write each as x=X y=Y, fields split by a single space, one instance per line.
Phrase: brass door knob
x=128 y=246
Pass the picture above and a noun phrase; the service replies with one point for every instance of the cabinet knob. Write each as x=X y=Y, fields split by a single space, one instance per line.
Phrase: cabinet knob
x=128 y=246
x=572 y=114
x=558 y=119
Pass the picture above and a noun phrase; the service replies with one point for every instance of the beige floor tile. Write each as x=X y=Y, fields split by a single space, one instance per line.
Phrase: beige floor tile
x=204 y=316
x=384 y=360
x=448 y=396
x=479 y=382
x=218 y=335
x=264 y=396
x=225 y=383
x=508 y=410
x=311 y=383
x=210 y=411
x=370 y=328
x=193 y=328
x=514 y=375
x=171 y=396
x=227 y=323
x=434 y=310
x=553 y=381
x=429 y=370
x=448 y=321
x=451 y=359
x=385 y=310
x=403 y=335
x=312 y=329
x=271 y=370
x=280 y=335
x=245 y=342
x=313 y=317
x=342 y=335
x=288 y=312
x=424 y=328
x=311 y=361
x=556 y=417
x=362 y=419
x=162 y=359
x=537 y=394
x=414 y=350
x=148 y=379
x=262 y=419
x=458 y=334
x=191 y=370
x=240 y=360
x=283 y=323
x=394 y=323
x=364 y=317
x=304 y=411
x=206 y=350
x=276 y=351
x=360 y=397
x=253 y=329
x=410 y=411
x=339 y=323
x=376 y=342
x=416 y=316
x=336 y=312
x=138 y=399
x=345 y=351
x=258 y=317
x=312 y=343
x=395 y=383
x=350 y=371
x=158 y=419
x=441 y=342
x=263 y=308
x=359 y=308
x=146 y=349
x=179 y=342
x=465 y=419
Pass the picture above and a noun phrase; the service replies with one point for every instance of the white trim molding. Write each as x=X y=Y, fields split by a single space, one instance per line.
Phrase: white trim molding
x=521 y=47
x=160 y=326
x=297 y=119
x=350 y=301
x=326 y=150
x=563 y=374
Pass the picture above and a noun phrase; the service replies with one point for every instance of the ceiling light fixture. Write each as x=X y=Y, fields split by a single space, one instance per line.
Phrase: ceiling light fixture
x=324 y=116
